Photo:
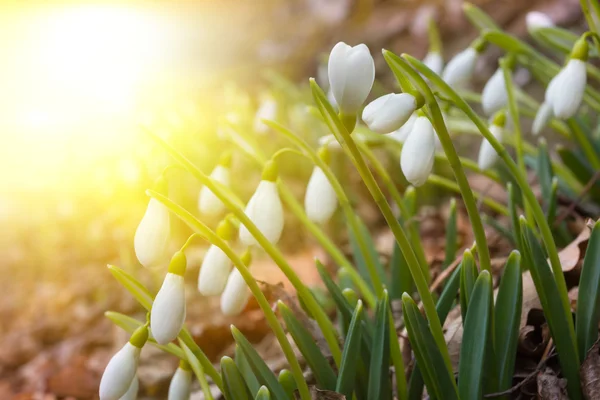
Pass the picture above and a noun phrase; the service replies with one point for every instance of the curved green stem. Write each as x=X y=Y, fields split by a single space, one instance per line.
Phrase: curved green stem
x=319 y=314
x=400 y=66
x=262 y=301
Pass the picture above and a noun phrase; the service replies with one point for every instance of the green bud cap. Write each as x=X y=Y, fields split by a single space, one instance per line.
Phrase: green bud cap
x=499 y=119
x=324 y=154
x=178 y=264
x=349 y=121
x=479 y=44
x=246 y=258
x=510 y=60
x=139 y=336
x=225 y=159
x=184 y=365
x=226 y=229
x=270 y=171
x=351 y=296
x=161 y=186
x=419 y=99
x=580 y=49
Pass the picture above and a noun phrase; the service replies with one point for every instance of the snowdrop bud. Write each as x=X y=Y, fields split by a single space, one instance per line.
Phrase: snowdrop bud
x=264 y=209
x=320 y=200
x=351 y=73
x=208 y=202
x=181 y=383
x=565 y=91
x=267 y=110
x=494 y=96
x=460 y=68
x=416 y=159
x=388 y=113
x=542 y=117
x=487 y=154
x=132 y=392
x=152 y=234
x=120 y=371
x=168 y=311
x=536 y=19
x=214 y=272
x=332 y=101
x=401 y=134
x=434 y=61
x=236 y=293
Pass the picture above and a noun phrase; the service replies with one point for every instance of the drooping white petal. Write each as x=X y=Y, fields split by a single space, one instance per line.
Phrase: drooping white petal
x=536 y=19
x=119 y=373
x=266 y=211
x=351 y=73
x=208 y=202
x=487 y=154
x=332 y=101
x=320 y=200
x=152 y=234
x=168 y=311
x=214 y=272
x=401 y=134
x=236 y=294
x=416 y=159
x=267 y=110
x=389 y=112
x=434 y=61
x=565 y=91
x=542 y=117
x=181 y=385
x=494 y=96
x=459 y=70
x=132 y=392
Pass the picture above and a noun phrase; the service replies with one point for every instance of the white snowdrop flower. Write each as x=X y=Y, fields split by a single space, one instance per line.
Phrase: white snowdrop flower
x=460 y=68
x=389 y=112
x=434 y=61
x=330 y=142
x=543 y=116
x=236 y=294
x=351 y=73
x=494 y=96
x=565 y=91
x=208 y=202
x=214 y=272
x=416 y=159
x=265 y=210
x=132 y=392
x=267 y=110
x=535 y=20
x=320 y=200
x=402 y=133
x=180 y=387
x=120 y=372
x=152 y=234
x=487 y=154
x=168 y=310
x=331 y=100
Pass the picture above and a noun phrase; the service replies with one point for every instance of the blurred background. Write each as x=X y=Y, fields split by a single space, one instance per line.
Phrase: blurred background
x=78 y=79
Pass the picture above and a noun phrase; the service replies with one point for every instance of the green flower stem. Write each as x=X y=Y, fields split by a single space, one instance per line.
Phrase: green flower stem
x=262 y=301
x=437 y=119
x=584 y=143
x=413 y=231
x=516 y=124
x=316 y=230
x=318 y=313
x=198 y=371
x=588 y=16
x=347 y=142
x=521 y=180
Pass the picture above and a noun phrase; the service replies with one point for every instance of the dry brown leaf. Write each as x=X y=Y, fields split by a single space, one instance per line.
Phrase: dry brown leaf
x=550 y=386
x=590 y=373
x=571 y=255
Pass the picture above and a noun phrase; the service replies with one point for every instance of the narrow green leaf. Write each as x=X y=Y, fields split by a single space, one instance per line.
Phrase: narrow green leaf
x=198 y=371
x=233 y=382
x=286 y=378
x=471 y=366
x=306 y=344
x=558 y=316
x=588 y=310
x=544 y=172
x=360 y=259
x=479 y=18
x=133 y=286
x=514 y=215
x=263 y=394
x=553 y=202
x=246 y=371
x=259 y=367
x=438 y=379
x=580 y=169
x=379 y=373
x=468 y=276
x=401 y=279
x=451 y=235
x=350 y=354
x=507 y=319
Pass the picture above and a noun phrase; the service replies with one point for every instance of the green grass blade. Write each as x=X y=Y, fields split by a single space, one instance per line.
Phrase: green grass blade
x=514 y=215
x=133 y=286
x=263 y=394
x=559 y=318
x=401 y=279
x=451 y=235
x=233 y=382
x=471 y=367
x=198 y=370
x=588 y=310
x=468 y=276
x=312 y=354
x=350 y=354
x=479 y=18
x=246 y=371
x=360 y=259
x=259 y=367
x=580 y=169
x=544 y=172
x=507 y=319
x=379 y=373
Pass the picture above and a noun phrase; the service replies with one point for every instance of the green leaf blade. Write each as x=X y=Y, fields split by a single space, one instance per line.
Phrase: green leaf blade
x=588 y=310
